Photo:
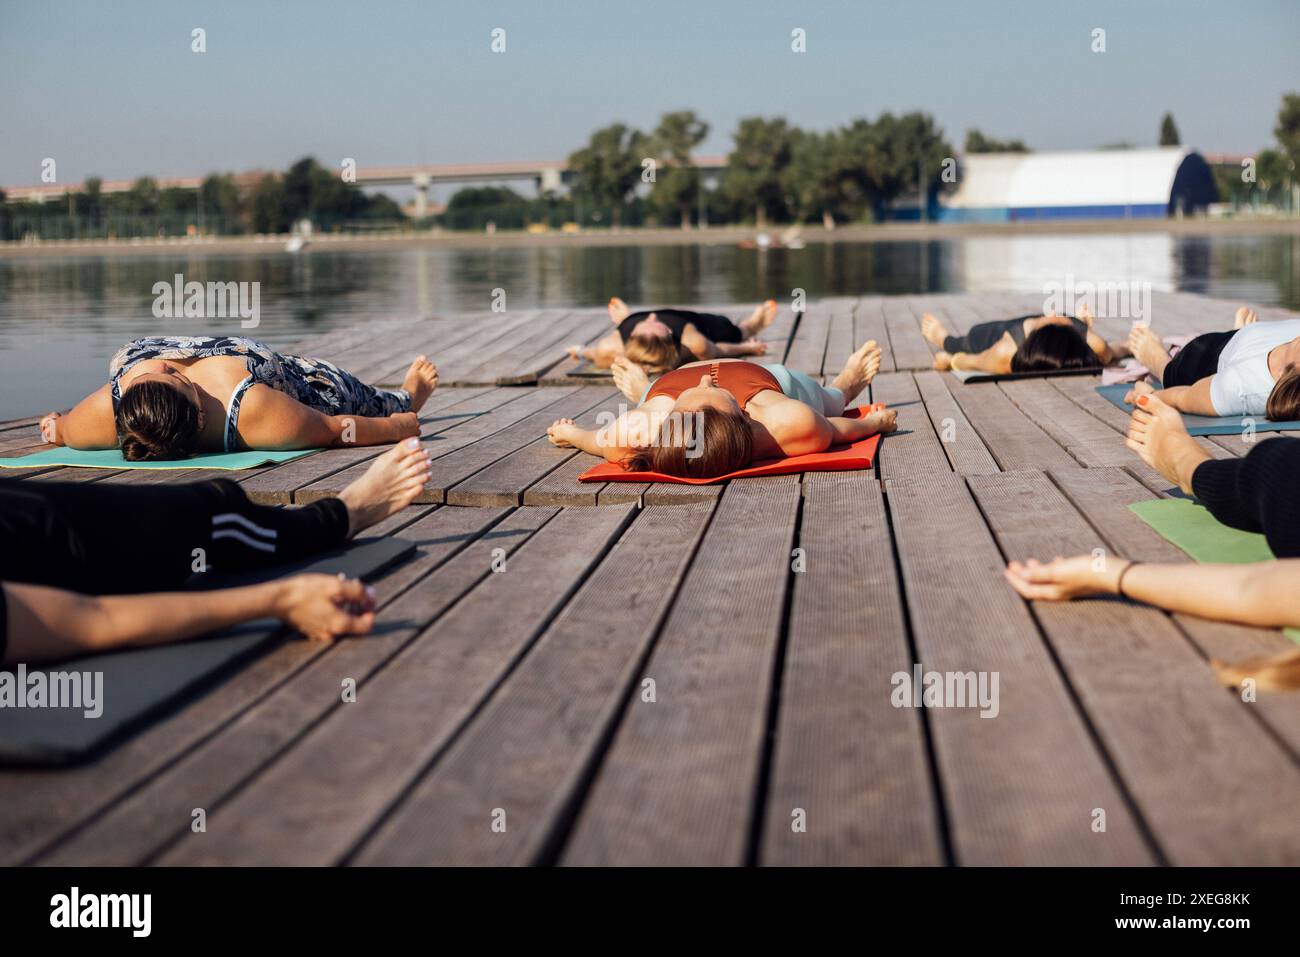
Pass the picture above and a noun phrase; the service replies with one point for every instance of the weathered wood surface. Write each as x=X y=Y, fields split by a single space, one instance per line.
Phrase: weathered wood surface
x=508 y=678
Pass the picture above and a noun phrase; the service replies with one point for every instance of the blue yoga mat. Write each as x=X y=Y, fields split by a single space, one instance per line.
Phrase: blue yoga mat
x=1204 y=424
x=112 y=459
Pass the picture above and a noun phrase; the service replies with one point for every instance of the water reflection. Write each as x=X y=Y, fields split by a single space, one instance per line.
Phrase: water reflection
x=60 y=318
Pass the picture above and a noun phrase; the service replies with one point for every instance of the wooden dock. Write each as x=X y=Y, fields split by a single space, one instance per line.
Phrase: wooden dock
x=631 y=674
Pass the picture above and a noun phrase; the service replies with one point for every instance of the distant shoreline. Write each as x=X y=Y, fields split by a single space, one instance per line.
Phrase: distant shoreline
x=649 y=236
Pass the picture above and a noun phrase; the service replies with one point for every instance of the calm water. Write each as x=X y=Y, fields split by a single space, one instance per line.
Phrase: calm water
x=61 y=318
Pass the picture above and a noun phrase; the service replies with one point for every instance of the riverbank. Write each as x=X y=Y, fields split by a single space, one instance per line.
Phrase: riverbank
x=653 y=236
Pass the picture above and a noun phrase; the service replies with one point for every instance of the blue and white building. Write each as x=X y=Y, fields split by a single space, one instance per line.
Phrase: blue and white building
x=1094 y=184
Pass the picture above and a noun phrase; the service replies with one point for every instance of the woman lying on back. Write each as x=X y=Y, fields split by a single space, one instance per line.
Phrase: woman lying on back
x=1254 y=369
x=662 y=340
x=169 y=397
x=710 y=418
x=1034 y=343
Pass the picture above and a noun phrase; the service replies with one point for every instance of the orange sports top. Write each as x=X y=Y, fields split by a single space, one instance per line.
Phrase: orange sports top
x=744 y=380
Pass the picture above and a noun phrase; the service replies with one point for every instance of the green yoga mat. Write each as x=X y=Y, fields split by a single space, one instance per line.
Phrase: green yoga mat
x=1191 y=527
x=112 y=459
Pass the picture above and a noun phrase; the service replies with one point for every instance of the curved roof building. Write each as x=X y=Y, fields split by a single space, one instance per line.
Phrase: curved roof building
x=1097 y=184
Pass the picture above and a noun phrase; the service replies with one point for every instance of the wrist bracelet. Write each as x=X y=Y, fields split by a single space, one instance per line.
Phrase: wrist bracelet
x=1119 y=582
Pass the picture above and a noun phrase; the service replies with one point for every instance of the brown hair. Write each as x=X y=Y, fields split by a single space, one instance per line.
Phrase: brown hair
x=1284 y=401
x=701 y=444
x=155 y=421
x=1053 y=347
x=656 y=354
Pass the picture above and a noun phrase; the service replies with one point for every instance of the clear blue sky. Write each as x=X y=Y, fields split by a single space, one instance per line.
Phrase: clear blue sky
x=111 y=88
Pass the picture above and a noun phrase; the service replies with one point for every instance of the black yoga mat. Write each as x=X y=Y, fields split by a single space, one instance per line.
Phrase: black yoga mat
x=970 y=375
x=139 y=684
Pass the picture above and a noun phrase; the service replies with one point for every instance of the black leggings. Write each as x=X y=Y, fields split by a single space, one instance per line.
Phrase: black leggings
x=1196 y=360
x=1256 y=493
x=103 y=538
x=712 y=327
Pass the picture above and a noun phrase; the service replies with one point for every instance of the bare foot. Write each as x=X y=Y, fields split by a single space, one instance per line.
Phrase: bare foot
x=630 y=378
x=1245 y=317
x=389 y=485
x=1148 y=349
x=859 y=371
x=882 y=420
x=763 y=317
x=421 y=379
x=933 y=330
x=1156 y=432
x=618 y=310
x=942 y=361
x=1085 y=314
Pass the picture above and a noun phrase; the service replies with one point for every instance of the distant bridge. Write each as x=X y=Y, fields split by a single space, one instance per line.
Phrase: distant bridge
x=544 y=175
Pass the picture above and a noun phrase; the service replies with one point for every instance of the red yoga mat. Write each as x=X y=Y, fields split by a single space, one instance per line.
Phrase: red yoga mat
x=846 y=458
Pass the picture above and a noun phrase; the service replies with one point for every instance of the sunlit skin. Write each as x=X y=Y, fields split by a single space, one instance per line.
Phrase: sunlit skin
x=49 y=624
x=609 y=348
x=996 y=360
x=781 y=426
x=1263 y=594
x=267 y=419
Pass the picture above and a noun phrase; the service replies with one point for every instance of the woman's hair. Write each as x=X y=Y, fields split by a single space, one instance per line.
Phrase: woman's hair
x=1284 y=401
x=155 y=421
x=701 y=444
x=1053 y=346
x=656 y=354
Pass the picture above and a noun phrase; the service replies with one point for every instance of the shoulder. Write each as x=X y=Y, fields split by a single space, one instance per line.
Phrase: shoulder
x=788 y=418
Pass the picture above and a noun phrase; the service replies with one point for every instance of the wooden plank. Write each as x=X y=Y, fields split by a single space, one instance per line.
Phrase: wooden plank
x=1011 y=438
x=915 y=447
x=531 y=750
x=530 y=369
x=678 y=784
x=1084 y=437
x=808 y=350
x=869 y=324
x=1021 y=787
x=911 y=351
x=311 y=806
x=778 y=335
x=1103 y=496
x=840 y=343
x=667 y=493
x=1186 y=750
x=456 y=544
x=853 y=765
x=548 y=333
x=446 y=409
x=506 y=481
x=963 y=444
x=487 y=329
x=462 y=465
x=447 y=442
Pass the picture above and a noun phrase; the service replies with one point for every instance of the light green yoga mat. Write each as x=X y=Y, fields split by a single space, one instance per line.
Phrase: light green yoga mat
x=1191 y=527
x=112 y=459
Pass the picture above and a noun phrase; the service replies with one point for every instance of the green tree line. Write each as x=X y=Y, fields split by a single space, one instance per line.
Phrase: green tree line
x=220 y=206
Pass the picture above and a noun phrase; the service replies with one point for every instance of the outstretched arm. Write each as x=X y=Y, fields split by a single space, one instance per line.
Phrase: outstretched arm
x=702 y=347
x=1192 y=399
x=1263 y=594
x=272 y=420
x=46 y=624
x=89 y=425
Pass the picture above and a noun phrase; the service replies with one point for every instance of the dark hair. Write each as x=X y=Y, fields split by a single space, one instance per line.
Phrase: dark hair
x=1053 y=346
x=1284 y=399
x=702 y=444
x=656 y=354
x=155 y=421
